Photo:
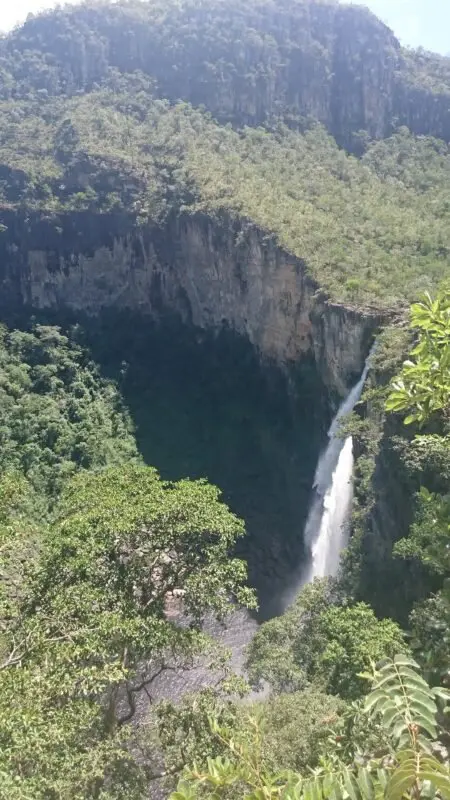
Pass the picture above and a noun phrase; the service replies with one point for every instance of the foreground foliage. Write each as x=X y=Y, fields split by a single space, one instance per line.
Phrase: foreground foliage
x=423 y=388
x=297 y=728
x=409 y=382
x=88 y=602
x=320 y=642
x=408 y=768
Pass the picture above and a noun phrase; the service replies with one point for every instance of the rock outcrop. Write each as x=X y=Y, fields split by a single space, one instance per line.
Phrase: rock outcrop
x=210 y=273
x=246 y=62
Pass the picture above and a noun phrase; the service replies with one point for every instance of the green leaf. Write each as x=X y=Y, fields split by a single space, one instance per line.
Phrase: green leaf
x=382 y=778
x=389 y=715
x=444 y=694
x=366 y=784
x=431 y=729
x=424 y=702
x=316 y=789
x=399 y=783
x=374 y=698
x=441 y=782
x=351 y=785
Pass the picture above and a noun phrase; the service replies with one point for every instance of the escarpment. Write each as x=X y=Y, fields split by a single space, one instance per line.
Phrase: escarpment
x=247 y=63
x=238 y=168
x=208 y=273
x=223 y=448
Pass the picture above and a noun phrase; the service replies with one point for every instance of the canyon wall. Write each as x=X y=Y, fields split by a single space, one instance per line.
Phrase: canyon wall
x=209 y=273
x=249 y=63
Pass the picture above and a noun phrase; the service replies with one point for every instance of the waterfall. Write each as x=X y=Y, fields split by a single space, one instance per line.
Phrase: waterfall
x=326 y=532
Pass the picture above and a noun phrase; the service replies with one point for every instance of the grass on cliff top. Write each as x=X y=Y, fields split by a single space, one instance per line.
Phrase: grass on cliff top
x=374 y=231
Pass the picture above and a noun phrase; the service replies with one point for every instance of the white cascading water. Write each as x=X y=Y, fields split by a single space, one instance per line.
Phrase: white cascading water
x=326 y=530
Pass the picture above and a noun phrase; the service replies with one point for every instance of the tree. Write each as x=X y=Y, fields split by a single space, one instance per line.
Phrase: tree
x=423 y=386
x=353 y=638
x=430 y=637
x=321 y=643
x=428 y=539
x=407 y=768
x=296 y=726
x=97 y=627
x=18 y=548
x=57 y=415
x=423 y=391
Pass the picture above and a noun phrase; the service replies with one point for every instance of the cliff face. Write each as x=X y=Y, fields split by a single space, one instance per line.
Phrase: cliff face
x=246 y=62
x=423 y=112
x=331 y=62
x=208 y=273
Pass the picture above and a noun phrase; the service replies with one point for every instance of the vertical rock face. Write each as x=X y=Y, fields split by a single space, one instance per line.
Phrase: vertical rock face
x=364 y=61
x=247 y=62
x=423 y=112
x=210 y=274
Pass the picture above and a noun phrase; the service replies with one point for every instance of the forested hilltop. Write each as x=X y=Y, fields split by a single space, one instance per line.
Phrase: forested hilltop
x=247 y=62
x=367 y=232
x=91 y=120
x=209 y=211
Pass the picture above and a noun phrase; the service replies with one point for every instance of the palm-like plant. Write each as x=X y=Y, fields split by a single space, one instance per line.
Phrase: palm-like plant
x=407 y=709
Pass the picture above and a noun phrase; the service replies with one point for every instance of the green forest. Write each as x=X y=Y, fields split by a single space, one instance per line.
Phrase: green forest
x=370 y=234
x=155 y=477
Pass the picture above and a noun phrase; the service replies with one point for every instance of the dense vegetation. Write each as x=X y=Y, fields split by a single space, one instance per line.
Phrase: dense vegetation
x=328 y=641
x=392 y=570
x=88 y=564
x=57 y=415
x=90 y=121
x=365 y=235
x=111 y=575
x=92 y=562
x=246 y=61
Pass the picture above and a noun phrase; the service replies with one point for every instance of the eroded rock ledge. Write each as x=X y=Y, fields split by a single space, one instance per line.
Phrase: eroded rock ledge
x=209 y=272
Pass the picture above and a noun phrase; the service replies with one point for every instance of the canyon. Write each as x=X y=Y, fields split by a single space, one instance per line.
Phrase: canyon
x=244 y=304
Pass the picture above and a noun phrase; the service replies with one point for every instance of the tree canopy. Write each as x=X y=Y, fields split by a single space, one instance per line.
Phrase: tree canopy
x=306 y=120
x=91 y=120
x=94 y=627
x=98 y=559
x=322 y=643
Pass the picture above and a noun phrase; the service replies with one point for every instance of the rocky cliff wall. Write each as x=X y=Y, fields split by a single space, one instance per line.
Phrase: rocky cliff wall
x=209 y=273
x=246 y=62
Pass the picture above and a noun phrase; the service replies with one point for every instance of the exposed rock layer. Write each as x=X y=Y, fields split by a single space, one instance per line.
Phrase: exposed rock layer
x=248 y=62
x=209 y=273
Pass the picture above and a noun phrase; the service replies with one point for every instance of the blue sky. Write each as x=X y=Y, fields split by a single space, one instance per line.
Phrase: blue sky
x=415 y=22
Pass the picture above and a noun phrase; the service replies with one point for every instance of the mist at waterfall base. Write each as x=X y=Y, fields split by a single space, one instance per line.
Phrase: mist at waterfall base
x=326 y=530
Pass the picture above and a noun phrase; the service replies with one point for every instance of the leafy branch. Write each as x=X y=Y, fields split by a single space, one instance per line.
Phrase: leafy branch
x=423 y=386
x=408 y=711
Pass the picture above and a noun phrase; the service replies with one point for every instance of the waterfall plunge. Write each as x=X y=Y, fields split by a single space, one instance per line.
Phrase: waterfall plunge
x=325 y=530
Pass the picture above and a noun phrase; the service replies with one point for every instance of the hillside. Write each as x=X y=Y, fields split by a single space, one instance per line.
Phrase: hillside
x=224 y=452
x=371 y=231
x=78 y=131
x=247 y=62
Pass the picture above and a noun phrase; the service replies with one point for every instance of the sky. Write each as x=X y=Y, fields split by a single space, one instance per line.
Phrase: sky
x=415 y=22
